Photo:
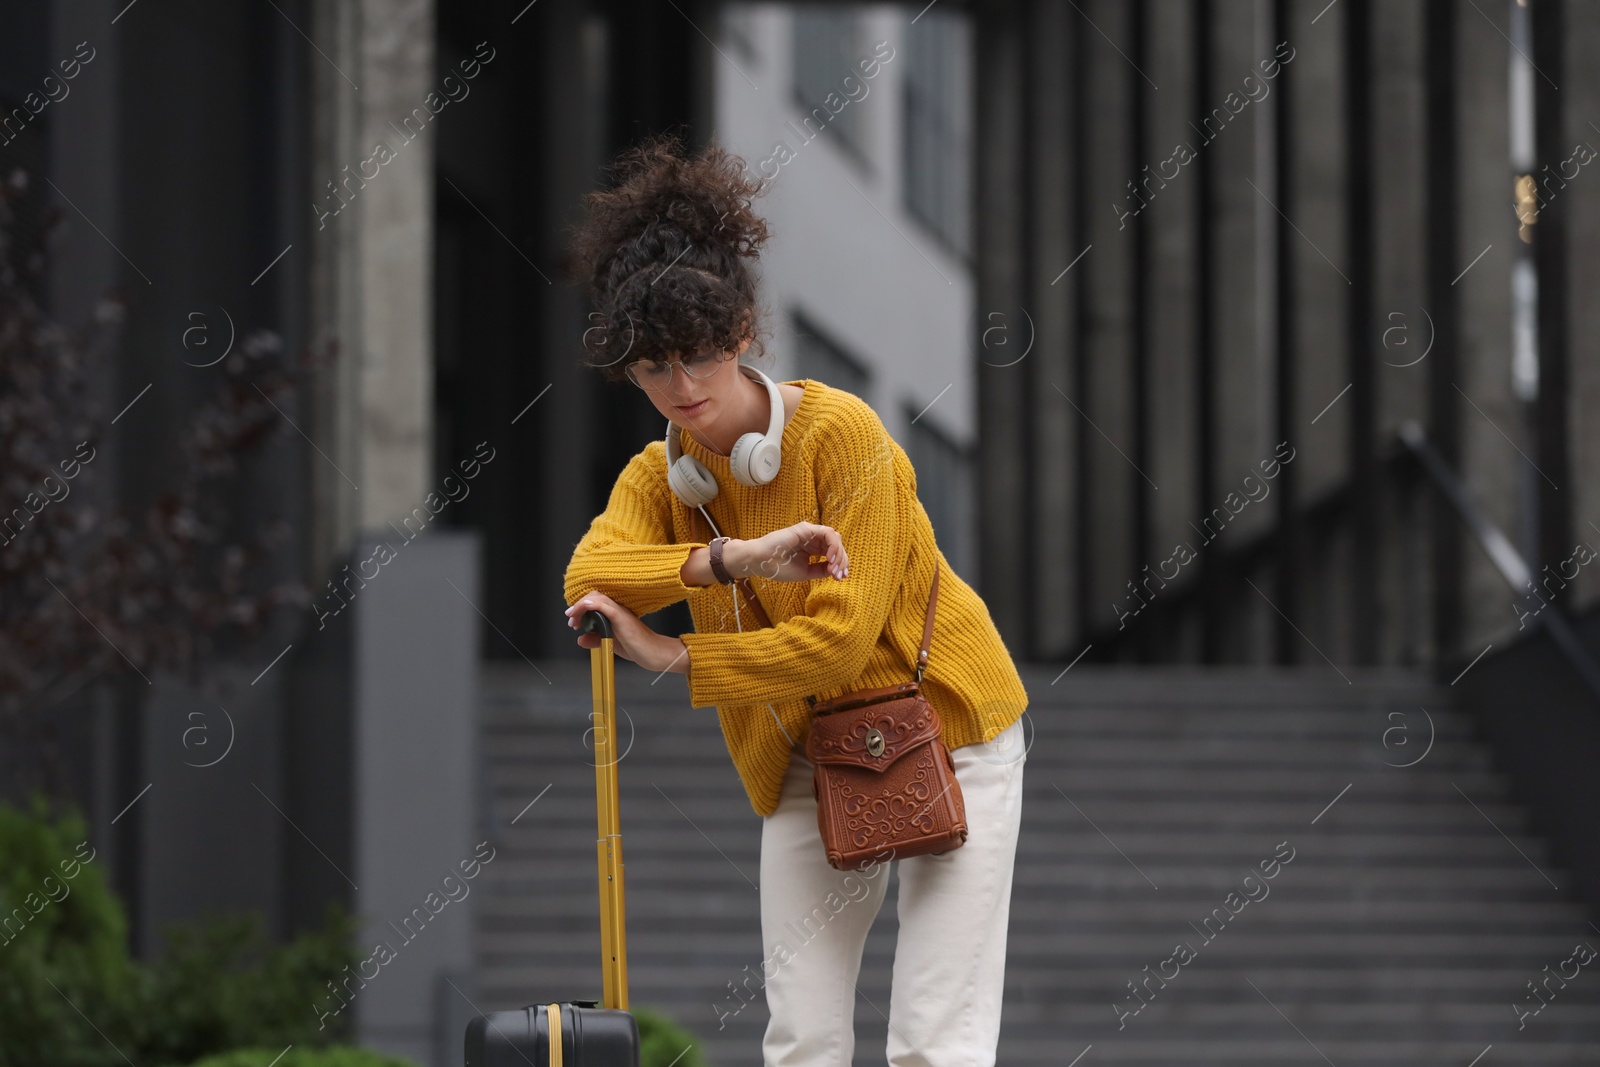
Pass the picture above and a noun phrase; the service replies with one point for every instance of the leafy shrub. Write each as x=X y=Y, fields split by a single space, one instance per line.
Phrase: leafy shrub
x=662 y=1041
x=64 y=945
x=69 y=993
x=222 y=984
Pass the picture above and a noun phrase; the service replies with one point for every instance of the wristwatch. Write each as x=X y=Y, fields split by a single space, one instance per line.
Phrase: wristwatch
x=717 y=569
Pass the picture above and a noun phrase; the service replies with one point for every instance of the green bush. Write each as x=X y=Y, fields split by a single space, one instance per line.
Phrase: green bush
x=69 y=993
x=222 y=984
x=662 y=1041
x=64 y=946
x=332 y=1056
x=221 y=994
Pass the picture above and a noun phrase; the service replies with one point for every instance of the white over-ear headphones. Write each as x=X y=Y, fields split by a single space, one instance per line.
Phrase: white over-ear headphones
x=754 y=460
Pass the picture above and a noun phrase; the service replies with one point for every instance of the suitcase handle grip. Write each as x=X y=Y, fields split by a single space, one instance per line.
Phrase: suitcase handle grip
x=595 y=622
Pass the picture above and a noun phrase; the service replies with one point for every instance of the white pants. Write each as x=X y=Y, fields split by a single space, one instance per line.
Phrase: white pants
x=949 y=960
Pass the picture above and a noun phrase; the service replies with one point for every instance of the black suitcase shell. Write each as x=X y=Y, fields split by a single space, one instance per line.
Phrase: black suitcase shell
x=591 y=1036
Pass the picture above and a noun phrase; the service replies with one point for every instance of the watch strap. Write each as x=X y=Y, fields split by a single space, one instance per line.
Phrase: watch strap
x=719 y=571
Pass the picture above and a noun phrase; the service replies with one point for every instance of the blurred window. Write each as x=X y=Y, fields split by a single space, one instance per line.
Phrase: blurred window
x=816 y=356
x=829 y=45
x=937 y=130
x=944 y=485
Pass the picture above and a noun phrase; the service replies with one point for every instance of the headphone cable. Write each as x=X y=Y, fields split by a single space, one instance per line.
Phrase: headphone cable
x=738 y=625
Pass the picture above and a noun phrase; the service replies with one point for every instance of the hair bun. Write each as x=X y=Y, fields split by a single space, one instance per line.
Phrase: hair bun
x=665 y=250
x=663 y=199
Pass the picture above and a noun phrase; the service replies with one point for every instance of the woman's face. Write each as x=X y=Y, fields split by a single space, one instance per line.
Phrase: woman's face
x=706 y=399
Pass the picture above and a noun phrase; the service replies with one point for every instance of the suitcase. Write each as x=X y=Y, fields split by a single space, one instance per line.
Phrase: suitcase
x=580 y=1033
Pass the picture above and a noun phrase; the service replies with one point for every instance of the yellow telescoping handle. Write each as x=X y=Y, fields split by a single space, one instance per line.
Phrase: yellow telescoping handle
x=608 y=844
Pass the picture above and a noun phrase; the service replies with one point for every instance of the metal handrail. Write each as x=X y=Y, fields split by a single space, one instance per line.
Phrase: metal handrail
x=1328 y=506
x=1501 y=552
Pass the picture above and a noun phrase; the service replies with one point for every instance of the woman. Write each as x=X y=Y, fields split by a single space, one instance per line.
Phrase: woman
x=828 y=527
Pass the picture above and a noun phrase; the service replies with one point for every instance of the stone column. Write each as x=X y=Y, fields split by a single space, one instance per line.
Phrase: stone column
x=372 y=83
x=376 y=102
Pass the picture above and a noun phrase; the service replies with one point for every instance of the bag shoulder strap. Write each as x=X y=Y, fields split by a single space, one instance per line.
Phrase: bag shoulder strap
x=754 y=601
x=927 y=624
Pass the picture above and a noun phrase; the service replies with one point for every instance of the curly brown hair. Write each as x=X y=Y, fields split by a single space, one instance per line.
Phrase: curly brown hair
x=663 y=252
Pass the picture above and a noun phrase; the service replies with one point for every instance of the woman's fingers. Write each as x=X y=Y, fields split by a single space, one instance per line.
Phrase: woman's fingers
x=590 y=601
x=828 y=543
x=815 y=539
x=627 y=632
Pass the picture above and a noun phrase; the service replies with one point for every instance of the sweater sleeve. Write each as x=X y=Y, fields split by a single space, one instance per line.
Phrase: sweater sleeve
x=828 y=646
x=628 y=552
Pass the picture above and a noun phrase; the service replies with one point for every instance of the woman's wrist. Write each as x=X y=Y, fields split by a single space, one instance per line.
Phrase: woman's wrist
x=676 y=655
x=736 y=558
x=696 y=570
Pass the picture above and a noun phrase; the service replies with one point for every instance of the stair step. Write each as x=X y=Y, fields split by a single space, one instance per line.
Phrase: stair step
x=1215 y=982
x=1416 y=909
x=570 y=807
x=495 y=911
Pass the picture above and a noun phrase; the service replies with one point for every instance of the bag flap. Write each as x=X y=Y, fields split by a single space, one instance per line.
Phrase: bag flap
x=860 y=698
x=842 y=738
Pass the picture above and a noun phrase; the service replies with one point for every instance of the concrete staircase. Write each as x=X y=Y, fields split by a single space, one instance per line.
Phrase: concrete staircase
x=1406 y=926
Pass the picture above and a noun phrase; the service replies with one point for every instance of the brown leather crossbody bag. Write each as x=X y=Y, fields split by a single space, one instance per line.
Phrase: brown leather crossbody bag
x=884 y=780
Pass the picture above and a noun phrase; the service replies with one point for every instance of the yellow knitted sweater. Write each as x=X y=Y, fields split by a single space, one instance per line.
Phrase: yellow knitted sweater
x=840 y=468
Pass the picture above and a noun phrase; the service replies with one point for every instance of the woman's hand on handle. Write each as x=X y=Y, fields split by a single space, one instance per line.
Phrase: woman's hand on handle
x=631 y=639
x=785 y=555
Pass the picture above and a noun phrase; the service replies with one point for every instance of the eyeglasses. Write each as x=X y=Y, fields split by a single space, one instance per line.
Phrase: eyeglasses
x=657 y=374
